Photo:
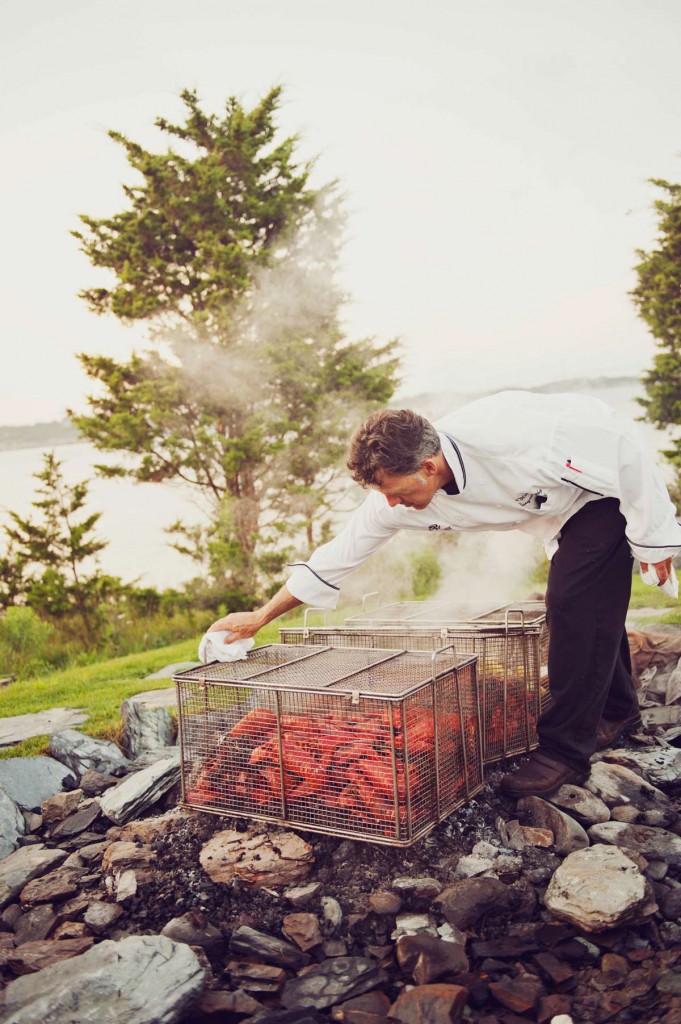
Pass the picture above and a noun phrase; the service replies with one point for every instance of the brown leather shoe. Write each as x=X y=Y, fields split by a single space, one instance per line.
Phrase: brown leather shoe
x=539 y=776
x=608 y=732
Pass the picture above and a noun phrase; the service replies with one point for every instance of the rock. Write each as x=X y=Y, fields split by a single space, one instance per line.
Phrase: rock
x=485 y=849
x=33 y=821
x=568 y=835
x=277 y=858
x=237 y=1002
x=22 y=866
x=149 y=757
x=29 y=781
x=385 y=902
x=302 y=895
x=520 y=994
x=88 y=811
x=139 y=980
x=414 y=924
x=580 y=804
x=82 y=753
x=516 y=836
x=470 y=866
x=37 y=956
x=426 y=958
x=331 y=982
x=466 y=902
x=137 y=792
x=118 y=857
x=332 y=911
x=57 y=885
x=146 y=829
x=630 y=797
x=660 y=766
x=598 y=888
x=40 y=723
x=653 y=843
x=303 y=929
x=430 y=1004
x=12 y=824
x=507 y=867
x=424 y=889
x=95 y=783
x=247 y=941
x=370 y=1008
x=256 y=977
x=126 y=885
x=147 y=723
x=100 y=916
x=554 y=1009
x=35 y=924
x=194 y=928
x=670 y=905
x=59 y=806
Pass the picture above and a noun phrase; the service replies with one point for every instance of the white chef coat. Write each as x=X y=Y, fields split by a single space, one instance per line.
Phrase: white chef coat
x=521 y=461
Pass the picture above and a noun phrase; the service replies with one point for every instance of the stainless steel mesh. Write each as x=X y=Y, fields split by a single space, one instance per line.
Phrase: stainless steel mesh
x=511 y=643
x=382 y=753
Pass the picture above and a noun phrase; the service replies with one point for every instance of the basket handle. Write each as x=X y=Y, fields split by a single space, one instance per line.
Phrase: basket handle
x=306 y=628
x=441 y=650
x=365 y=598
x=514 y=611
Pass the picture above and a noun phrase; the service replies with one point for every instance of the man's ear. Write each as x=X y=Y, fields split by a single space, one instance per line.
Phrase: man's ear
x=429 y=467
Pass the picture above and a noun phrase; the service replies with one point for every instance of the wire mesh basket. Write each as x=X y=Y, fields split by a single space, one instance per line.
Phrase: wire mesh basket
x=369 y=744
x=510 y=641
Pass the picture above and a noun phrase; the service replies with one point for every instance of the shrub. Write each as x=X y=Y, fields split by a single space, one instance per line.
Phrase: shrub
x=26 y=643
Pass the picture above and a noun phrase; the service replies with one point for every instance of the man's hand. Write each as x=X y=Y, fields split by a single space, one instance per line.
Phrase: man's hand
x=243 y=625
x=663 y=569
x=240 y=624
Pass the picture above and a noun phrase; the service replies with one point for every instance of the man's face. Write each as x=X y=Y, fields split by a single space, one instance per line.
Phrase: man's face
x=415 y=490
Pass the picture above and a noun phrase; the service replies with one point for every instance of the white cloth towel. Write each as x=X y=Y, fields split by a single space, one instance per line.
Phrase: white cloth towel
x=214 y=648
x=669 y=587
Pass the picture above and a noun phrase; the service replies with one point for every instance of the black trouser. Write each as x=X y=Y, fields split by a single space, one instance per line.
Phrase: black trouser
x=588 y=662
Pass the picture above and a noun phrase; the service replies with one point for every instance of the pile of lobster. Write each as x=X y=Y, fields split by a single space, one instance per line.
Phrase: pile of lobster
x=507 y=732
x=337 y=769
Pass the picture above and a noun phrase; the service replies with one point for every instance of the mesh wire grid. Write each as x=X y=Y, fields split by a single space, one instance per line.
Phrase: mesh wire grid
x=382 y=753
x=512 y=676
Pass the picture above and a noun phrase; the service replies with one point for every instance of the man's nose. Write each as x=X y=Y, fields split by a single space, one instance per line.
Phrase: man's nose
x=393 y=501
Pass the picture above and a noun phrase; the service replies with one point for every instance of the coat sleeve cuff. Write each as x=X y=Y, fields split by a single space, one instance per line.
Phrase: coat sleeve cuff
x=310 y=588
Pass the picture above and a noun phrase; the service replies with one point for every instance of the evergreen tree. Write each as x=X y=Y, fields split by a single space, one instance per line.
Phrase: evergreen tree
x=50 y=552
x=248 y=389
x=657 y=297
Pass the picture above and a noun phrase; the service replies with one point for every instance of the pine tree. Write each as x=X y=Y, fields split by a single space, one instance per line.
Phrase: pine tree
x=248 y=389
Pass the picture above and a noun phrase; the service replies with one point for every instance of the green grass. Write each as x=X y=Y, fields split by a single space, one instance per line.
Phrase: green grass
x=100 y=689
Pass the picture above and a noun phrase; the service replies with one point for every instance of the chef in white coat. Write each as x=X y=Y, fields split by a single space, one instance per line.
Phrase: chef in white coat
x=566 y=468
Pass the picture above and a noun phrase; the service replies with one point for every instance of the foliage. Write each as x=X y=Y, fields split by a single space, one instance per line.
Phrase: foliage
x=54 y=551
x=248 y=389
x=100 y=688
x=426 y=572
x=657 y=297
x=26 y=642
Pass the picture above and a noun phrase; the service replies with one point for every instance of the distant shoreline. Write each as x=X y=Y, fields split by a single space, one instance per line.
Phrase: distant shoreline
x=59 y=432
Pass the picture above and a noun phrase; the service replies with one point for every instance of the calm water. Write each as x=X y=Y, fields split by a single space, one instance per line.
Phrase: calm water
x=133 y=515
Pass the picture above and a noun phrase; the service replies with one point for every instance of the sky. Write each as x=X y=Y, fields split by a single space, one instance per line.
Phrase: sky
x=495 y=157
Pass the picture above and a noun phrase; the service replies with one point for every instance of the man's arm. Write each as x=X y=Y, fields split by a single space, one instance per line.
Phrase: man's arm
x=246 y=624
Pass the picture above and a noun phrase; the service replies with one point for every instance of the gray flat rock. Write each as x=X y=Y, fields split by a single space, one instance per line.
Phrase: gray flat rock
x=147 y=722
x=131 y=797
x=170 y=670
x=629 y=797
x=23 y=865
x=653 y=843
x=83 y=753
x=660 y=766
x=599 y=888
x=142 y=979
x=12 y=823
x=40 y=723
x=32 y=780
